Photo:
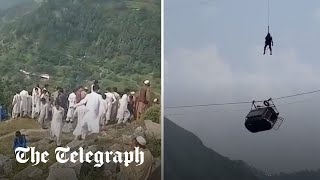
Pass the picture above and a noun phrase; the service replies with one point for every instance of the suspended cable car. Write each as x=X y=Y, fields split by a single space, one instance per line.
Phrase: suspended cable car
x=262 y=118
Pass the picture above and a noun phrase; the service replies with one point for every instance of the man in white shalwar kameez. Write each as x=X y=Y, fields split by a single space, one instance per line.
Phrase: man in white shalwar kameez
x=36 y=95
x=57 y=122
x=16 y=105
x=29 y=114
x=44 y=113
x=72 y=102
x=24 y=103
x=45 y=95
x=123 y=113
x=115 y=105
x=110 y=100
x=94 y=110
x=79 y=113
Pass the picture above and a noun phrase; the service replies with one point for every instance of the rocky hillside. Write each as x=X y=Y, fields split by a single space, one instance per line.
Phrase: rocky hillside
x=113 y=139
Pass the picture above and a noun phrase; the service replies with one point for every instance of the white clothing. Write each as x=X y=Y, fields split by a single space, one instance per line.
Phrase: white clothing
x=79 y=113
x=115 y=106
x=103 y=111
x=56 y=124
x=72 y=102
x=16 y=105
x=110 y=100
x=24 y=102
x=123 y=113
x=29 y=105
x=36 y=94
x=44 y=114
x=94 y=111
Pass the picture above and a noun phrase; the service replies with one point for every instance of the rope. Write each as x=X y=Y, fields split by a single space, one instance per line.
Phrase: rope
x=243 y=102
x=268 y=14
x=240 y=109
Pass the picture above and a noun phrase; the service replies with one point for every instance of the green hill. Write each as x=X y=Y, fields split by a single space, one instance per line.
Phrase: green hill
x=117 y=42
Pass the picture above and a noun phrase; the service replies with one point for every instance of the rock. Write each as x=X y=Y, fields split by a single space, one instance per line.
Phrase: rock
x=76 y=144
x=6 y=165
x=93 y=148
x=126 y=139
x=103 y=133
x=156 y=163
x=44 y=145
x=77 y=165
x=62 y=173
x=153 y=129
x=112 y=167
x=116 y=147
x=127 y=148
x=139 y=131
x=30 y=172
x=67 y=128
x=8 y=168
x=106 y=173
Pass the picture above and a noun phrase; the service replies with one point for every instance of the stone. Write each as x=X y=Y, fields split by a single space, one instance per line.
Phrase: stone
x=30 y=172
x=153 y=129
x=62 y=173
x=6 y=165
x=126 y=139
x=139 y=131
x=116 y=147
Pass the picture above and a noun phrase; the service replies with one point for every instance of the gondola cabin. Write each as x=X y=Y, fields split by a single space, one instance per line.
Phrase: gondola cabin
x=261 y=118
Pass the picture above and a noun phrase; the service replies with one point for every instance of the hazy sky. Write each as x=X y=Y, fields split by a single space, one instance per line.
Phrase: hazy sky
x=213 y=54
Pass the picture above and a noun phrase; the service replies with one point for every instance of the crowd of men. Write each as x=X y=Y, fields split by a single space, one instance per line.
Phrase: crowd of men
x=83 y=111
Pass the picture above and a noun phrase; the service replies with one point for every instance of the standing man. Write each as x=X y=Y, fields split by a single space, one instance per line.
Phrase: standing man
x=57 y=123
x=94 y=111
x=36 y=95
x=63 y=98
x=110 y=100
x=16 y=105
x=24 y=103
x=72 y=102
x=115 y=105
x=143 y=99
x=123 y=112
x=55 y=94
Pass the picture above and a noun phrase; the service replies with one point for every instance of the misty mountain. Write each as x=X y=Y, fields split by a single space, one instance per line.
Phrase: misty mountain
x=186 y=157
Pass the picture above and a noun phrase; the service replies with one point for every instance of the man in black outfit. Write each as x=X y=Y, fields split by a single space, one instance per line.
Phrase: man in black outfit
x=268 y=42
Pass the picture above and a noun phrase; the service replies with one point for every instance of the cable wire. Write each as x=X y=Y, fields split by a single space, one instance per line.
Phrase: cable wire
x=243 y=102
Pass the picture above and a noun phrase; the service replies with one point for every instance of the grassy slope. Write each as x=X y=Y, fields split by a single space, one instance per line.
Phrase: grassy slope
x=116 y=42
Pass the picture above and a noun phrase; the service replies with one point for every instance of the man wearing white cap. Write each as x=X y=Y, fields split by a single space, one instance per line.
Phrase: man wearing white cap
x=142 y=172
x=143 y=99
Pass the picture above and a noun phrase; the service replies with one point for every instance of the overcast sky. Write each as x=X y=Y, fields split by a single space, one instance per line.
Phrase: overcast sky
x=214 y=54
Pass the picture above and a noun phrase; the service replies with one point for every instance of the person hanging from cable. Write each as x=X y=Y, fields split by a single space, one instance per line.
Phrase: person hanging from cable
x=268 y=42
